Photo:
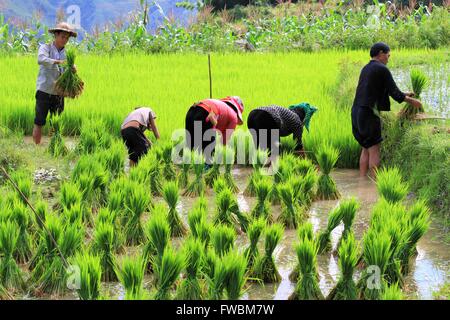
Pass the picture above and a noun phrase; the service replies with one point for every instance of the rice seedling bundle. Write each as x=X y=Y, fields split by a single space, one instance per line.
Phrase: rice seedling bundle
x=69 y=84
x=137 y=201
x=348 y=208
x=392 y=292
x=90 y=276
x=291 y=212
x=158 y=234
x=327 y=156
x=21 y=216
x=324 y=238
x=183 y=178
x=222 y=239
x=390 y=185
x=345 y=289
x=304 y=231
x=23 y=181
x=265 y=268
x=131 y=275
x=419 y=82
x=307 y=287
x=229 y=158
x=171 y=196
x=42 y=211
x=259 y=160
x=254 y=232
x=304 y=166
x=395 y=230
x=11 y=277
x=306 y=189
x=200 y=228
x=113 y=159
x=227 y=206
x=54 y=275
x=217 y=275
x=418 y=224
x=190 y=287
x=282 y=174
x=214 y=172
x=243 y=146
x=103 y=246
x=57 y=146
x=167 y=273
x=93 y=136
x=262 y=208
x=376 y=254
x=116 y=200
x=235 y=266
x=197 y=186
x=168 y=167
x=219 y=185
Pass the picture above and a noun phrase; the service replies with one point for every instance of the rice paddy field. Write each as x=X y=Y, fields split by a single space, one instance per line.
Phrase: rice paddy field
x=311 y=230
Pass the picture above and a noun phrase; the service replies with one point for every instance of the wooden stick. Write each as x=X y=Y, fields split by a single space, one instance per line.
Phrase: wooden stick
x=210 y=76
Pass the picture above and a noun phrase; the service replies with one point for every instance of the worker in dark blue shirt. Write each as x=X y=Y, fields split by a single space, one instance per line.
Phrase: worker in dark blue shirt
x=372 y=96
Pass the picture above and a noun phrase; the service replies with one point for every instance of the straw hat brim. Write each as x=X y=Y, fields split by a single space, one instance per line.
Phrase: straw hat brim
x=71 y=32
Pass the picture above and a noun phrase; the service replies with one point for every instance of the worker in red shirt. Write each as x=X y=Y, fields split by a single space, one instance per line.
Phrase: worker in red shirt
x=223 y=115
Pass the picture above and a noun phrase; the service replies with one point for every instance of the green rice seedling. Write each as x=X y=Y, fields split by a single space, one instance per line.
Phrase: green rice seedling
x=390 y=185
x=113 y=159
x=229 y=158
x=168 y=167
x=69 y=195
x=171 y=196
x=254 y=232
x=23 y=181
x=222 y=239
x=262 y=207
x=137 y=201
x=11 y=277
x=93 y=136
x=327 y=156
x=190 y=287
x=265 y=268
x=200 y=228
x=324 y=238
x=219 y=185
x=307 y=184
x=183 y=178
x=291 y=212
x=376 y=255
x=42 y=211
x=54 y=276
x=304 y=166
x=227 y=206
x=394 y=227
x=69 y=84
x=103 y=246
x=115 y=201
x=282 y=174
x=108 y=216
x=158 y=234
x=214 y=172
x=197 y=186
x=392 y=292
x=304 y=231
x=167 y=273
x=418 y=224
x=259 y=160
x=21 y=216
x=90 y=275
x=348 y=208
x=345 y=289
x=307 y=287
x=217 y=276
x=131 y=275
x=57 y=145
x=419 y=82
x=195 y=216
x=235 y=266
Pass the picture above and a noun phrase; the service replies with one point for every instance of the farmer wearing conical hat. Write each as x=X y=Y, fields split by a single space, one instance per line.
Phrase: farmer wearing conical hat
x=375 y=86
x=50 y=58
x=223 y=115
x=268 y=124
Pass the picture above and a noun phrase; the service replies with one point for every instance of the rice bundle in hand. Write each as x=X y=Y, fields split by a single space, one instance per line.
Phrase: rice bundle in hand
x=69 y=83
x=419 y=82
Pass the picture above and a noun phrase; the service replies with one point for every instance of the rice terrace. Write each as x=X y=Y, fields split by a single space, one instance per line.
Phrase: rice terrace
x=225 y=150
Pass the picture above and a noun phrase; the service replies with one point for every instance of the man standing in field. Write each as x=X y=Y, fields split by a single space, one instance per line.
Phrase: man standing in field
x=375 y=86
x=50 y=58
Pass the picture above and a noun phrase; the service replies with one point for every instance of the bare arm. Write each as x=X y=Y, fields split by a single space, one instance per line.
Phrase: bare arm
x=154 y=128
x=414 y=102
x=213 y=118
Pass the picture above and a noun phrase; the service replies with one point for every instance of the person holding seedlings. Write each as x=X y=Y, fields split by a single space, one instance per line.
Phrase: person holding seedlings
x=132 y=130
x=50 y=58
x=223 y=115
x=268 y=124
x=375 y=86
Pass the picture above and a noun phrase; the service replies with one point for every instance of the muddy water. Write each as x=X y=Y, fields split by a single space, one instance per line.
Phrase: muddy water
x=429 y=272
x=436 y=96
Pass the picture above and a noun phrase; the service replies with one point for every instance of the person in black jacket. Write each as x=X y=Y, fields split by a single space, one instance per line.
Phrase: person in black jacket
x=372 y=96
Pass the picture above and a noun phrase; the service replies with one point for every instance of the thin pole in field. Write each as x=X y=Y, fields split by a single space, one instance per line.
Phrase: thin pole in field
x=210 y=76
